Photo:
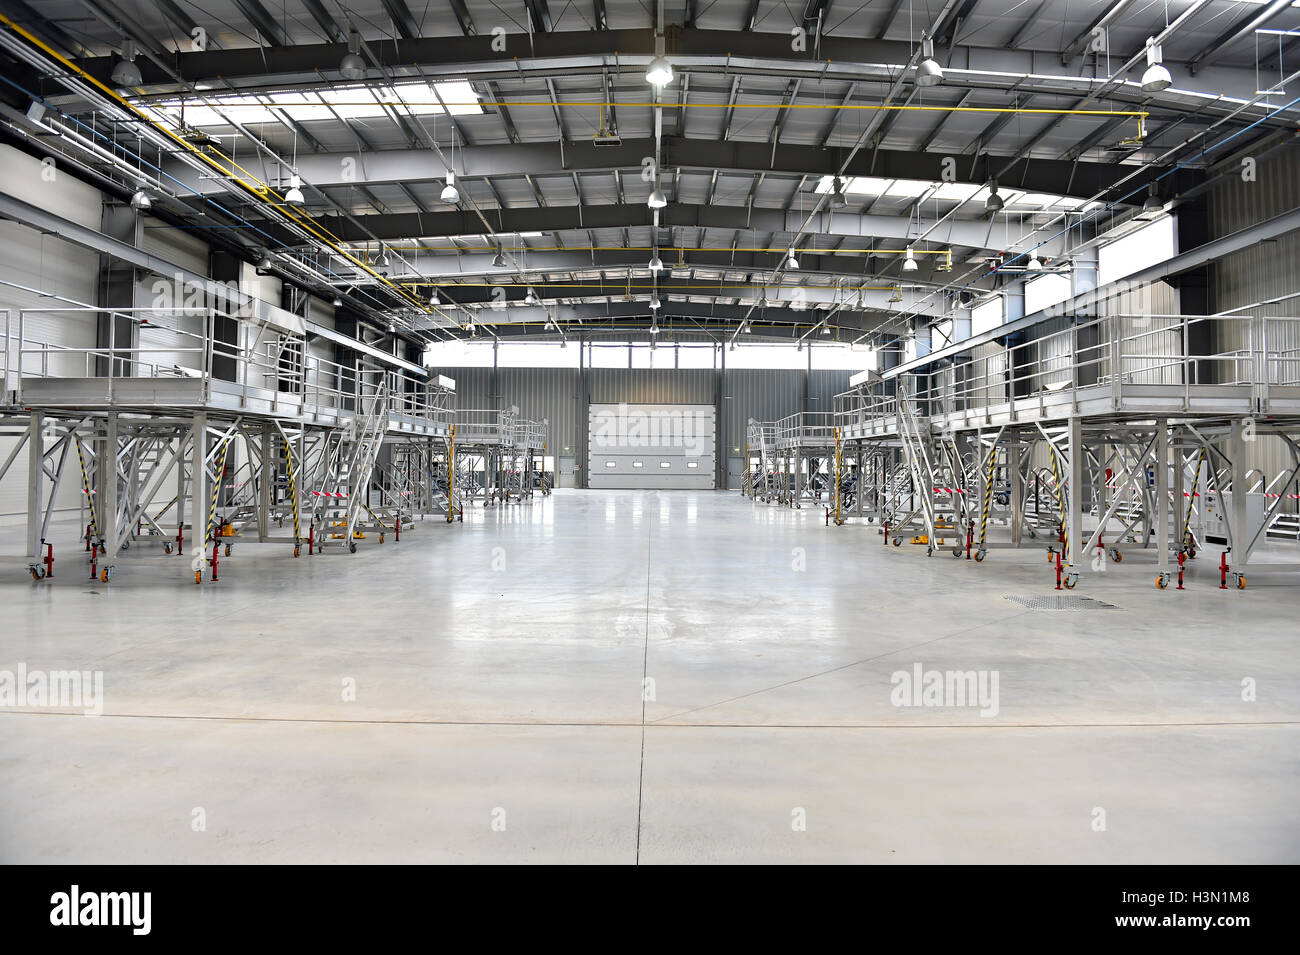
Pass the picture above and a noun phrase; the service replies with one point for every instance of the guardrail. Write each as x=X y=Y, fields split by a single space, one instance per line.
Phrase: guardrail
x=1100 y=356
x=247 y=358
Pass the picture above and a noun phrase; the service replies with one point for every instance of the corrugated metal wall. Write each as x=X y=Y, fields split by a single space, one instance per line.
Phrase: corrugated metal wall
x=555 y=394
x=1261 y=272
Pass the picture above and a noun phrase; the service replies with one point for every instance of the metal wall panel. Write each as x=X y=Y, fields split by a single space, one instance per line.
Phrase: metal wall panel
x=1260 y=273
x=555 y=393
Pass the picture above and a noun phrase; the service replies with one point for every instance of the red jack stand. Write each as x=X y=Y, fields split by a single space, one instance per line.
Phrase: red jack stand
x=397 y=527
x=1058 y=570
x=1182 y=558
x=216 y=545
x=886 y=526
x=311 y=538
x=180 y=539
x=970 y=536
x=94 y=563
x=87 y=538
x=1223 y=571
x=49 y=560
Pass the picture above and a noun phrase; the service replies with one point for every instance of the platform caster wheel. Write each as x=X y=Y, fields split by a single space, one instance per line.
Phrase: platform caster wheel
x=106 y=574
x=1033 y=534
x=167 y=548
x=1051 y=556
x=198 y=576
x=295 y=552
x=898 y=542
x=352 y=547
x=956 y=552
x=871 y=520
x=1240 y=580
x=38 y=573
x=381 y=538
x=1191 y=553
x=1070 y=580
x=980 y=554
x=1162 y=582
x=1116 y=556
x=798 y=507
x=929 y=551
x=227 y=550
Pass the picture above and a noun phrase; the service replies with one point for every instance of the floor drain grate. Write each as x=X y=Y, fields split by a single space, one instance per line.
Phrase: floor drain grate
x=1055 y=602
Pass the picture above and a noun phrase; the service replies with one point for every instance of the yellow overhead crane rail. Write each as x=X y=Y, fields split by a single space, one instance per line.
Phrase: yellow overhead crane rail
x=226 y=167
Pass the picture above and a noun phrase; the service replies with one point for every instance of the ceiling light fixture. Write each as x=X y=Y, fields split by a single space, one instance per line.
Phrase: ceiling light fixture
x=909 y=262
x=838 y=201
x=1156 y=77
x=126 y=73
x=338 y=302
x=1152 y=202
x=994 y=202
x=654 y=302
x=498 y=260
x=659 y=72
x=656 y=264
x=791 y=262
x=294 y=196
x=928 y=72
x=450 y=194
x=657 y=199
x=352 y=66
x=654 y=328
x=434 y=299
x=140 y=201
x=1034 y=264
x=531 y=297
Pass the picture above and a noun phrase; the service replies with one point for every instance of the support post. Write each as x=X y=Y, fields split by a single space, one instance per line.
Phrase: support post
x=1161 y=524
x=35 y=481
x=1074 y=500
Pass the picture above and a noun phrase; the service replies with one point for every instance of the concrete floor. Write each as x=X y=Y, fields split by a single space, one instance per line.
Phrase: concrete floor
x=499 y=665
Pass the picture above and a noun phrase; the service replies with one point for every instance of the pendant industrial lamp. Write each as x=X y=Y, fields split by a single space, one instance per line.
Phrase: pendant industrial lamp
x=126 y=73
x=659 y=73
x=928 y=71
x=1156 y=77
x=352 y=66
x=909 y=261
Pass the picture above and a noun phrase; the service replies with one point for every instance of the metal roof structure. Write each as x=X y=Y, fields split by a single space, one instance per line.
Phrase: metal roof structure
x=800 y=156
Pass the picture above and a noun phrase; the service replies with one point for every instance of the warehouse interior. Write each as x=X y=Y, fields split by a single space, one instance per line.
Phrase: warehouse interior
x=673 y=432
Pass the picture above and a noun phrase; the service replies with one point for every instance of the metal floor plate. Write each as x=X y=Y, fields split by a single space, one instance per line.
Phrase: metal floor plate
x=1058 y=602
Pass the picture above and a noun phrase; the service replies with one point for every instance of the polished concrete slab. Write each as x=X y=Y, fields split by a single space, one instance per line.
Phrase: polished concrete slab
x=624 y=676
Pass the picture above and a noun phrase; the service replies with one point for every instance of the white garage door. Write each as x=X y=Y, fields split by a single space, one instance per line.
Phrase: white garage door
x=651 y=446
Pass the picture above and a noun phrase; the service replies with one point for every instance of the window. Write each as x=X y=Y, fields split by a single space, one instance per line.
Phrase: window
x=1138 y=250
x=458 y=354
x=765 y=356
x=536 y=355
x=842 y=358
x=638 y=464
x=692 y=464
x=608 y=356
x=665 y=464
x=986 y=316
x=695 y=356
x=609 y=464
x=1046 y=291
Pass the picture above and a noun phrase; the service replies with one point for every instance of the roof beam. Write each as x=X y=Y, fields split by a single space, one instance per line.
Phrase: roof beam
x=1081 y=180
x=960 y=233
x=264 y=23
